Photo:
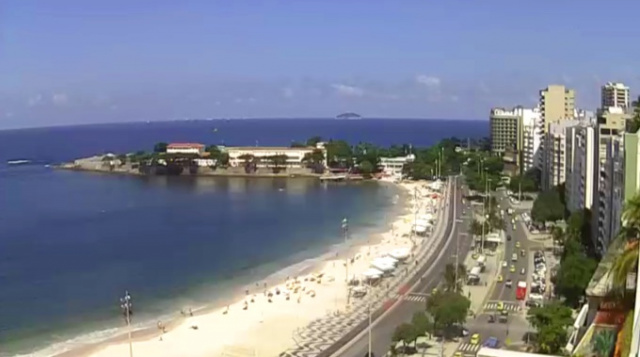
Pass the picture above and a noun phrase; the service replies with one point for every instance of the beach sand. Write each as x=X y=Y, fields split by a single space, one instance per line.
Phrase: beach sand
x=266 y=321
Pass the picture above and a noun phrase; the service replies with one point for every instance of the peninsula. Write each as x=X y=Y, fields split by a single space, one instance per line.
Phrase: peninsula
x=349 y=115
x=326 y=160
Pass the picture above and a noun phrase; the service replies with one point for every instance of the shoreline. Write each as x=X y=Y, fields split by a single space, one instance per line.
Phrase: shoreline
x=306 y=266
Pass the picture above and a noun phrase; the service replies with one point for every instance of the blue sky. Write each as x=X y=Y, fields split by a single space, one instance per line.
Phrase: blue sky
x=78 y=61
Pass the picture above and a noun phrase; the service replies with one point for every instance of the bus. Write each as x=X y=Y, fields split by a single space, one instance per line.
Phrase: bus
x=521 y=290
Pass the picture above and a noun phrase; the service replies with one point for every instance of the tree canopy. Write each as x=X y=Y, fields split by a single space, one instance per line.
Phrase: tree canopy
x=160 y=147
x=550 y=322
x=547 y=207
x=447 y=308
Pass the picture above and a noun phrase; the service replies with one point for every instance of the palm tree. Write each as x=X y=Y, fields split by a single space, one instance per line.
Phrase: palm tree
x=453 y=278
x=603 y=343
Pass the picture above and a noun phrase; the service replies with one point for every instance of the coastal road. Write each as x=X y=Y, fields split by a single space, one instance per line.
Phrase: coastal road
x=383 y=328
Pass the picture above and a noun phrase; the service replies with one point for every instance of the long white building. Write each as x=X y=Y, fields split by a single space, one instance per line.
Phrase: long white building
x=295 y=155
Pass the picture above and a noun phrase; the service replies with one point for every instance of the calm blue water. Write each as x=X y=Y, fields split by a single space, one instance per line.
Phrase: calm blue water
x=71 y=243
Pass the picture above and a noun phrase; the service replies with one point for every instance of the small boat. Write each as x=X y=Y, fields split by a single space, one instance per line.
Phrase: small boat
x=18 y=162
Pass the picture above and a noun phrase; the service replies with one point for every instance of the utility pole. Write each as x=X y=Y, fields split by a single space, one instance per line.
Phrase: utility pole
x=369 y=328
x=345 y=230
x=125 y=305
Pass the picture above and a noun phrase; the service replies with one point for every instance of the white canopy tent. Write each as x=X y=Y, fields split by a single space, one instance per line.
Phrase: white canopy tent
x=400 y=253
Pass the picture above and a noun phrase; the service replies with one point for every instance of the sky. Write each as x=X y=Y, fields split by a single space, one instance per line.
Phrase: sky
x=81 y=62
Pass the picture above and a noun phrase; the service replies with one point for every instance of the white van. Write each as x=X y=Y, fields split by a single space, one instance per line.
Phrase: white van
x=514 y=257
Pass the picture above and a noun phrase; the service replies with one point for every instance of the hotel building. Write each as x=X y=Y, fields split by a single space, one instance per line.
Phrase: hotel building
x=393 y=166
x=515 y=137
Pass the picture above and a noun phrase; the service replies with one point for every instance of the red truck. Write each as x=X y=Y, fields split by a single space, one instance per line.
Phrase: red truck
x=521 y=290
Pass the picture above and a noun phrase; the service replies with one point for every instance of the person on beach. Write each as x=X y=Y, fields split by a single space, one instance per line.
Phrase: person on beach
x=190 y=312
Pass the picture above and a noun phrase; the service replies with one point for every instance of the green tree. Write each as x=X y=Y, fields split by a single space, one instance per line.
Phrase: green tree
x=418 y=171
x=550 y=322
x=422 y=323
x=279 y=162
x=406 y=333
x=573 y=276
x=448 y=308
x=214 y=152
x=160 y=147
x=453 y=277
x=223 y=160
x=123 y=159
x=314 y=140
x=366 y=168
x=526 y=183
x=547 y=207
x=339 y=154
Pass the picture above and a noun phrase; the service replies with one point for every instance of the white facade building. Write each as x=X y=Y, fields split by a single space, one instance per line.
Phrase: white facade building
x=554 y=167
x=295 y=155
x=580 y=173
x=615 y=95
x=532 y=138
x=185 y=148
x=393 y=166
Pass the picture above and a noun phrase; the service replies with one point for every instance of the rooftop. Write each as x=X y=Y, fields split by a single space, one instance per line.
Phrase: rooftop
x=268 y=148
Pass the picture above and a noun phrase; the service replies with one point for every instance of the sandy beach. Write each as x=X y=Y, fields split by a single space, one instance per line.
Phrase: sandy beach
x=270 y=319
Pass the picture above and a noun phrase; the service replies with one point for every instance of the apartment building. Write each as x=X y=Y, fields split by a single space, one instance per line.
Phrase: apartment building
x=580 y=172
x=615 y=95
x=556 y=103
x=554 y=168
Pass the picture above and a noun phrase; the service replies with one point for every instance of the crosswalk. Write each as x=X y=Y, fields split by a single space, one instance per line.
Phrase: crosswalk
x=467 y=348
x=415 y=298
x=493 y=306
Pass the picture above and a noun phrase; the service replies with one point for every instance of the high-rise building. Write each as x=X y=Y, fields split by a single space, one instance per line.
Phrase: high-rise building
x=556 y=103
x=611 y=122
x=554 y=169
x=506 y=130
x=615 y=95
x=607 y=205
x=631 y=164
x=580 y=166
x=531 y=143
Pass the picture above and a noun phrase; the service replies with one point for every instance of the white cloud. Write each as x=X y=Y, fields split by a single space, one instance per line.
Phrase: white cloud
x=348 y=91
x=34 y=100
x=60 y=99
x=288 y=92
x=429 y=81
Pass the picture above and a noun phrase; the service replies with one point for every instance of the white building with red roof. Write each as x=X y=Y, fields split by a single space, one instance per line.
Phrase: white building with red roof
x=185 y=148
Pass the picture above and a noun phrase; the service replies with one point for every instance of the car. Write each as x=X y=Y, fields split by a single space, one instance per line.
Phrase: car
x=475 y=339
x=522 y=252
x=491 y=342
x=499 y=278
x=504 y=263
x=508 y=238
x=457 y=354
x=523 y=271
x=508 y=283
x=434 y=291
x=500 y=306
x=512 y=269
x=492 y=319
x=517 y=244
x=475 y=256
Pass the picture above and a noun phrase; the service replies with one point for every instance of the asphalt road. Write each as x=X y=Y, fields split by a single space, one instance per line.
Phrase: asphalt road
x=516 y=329
x=382 y=331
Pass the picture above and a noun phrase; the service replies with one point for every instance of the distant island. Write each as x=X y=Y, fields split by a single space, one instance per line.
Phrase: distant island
x=348 y=116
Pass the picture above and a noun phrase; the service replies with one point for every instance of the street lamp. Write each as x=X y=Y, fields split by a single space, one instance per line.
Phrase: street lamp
x=125 y=304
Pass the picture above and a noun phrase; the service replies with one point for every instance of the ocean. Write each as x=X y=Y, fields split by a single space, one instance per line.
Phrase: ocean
x=72 y=242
